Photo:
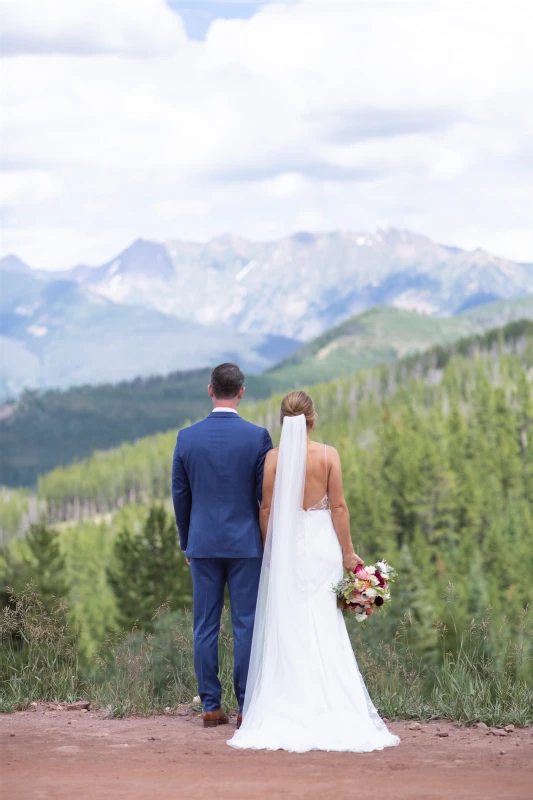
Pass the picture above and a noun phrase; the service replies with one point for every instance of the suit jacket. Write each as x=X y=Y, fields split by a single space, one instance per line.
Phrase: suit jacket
x=217 y=477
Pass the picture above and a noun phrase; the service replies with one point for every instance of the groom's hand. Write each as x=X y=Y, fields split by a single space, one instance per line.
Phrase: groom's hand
x=350 y=561
x=188 y=561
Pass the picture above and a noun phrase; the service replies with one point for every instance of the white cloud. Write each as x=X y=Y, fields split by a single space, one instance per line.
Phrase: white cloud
x=337 y=114
x=17 y=186
x=86 y=27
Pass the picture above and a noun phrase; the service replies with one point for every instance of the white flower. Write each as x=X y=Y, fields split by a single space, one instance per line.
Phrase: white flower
x=373 y=580
x=371 y=570
x=383 y=567
x=370 y=593
x=360 y=617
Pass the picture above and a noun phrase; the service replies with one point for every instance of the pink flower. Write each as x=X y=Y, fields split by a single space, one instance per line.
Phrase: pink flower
x=369 y=611
x=361 y=572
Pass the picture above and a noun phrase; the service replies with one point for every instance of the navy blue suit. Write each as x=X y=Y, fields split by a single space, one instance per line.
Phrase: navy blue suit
x=217 y=477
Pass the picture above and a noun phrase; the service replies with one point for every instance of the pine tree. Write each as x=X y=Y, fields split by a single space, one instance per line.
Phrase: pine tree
x=149 y=570
x=42 y=564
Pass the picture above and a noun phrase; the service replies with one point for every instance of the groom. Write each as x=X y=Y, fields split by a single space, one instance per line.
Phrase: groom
x=217 y=477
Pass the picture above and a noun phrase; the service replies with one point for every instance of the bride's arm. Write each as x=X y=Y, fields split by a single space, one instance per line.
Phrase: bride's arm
x=339 y=512
x=269 y=476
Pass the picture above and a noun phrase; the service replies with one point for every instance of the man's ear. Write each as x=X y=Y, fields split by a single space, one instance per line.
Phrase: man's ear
x=210 y=391
x=241 y=393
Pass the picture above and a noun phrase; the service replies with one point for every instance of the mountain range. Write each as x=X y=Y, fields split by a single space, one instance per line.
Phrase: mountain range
x=161 y=307
x=55 y=332
x=301 y=286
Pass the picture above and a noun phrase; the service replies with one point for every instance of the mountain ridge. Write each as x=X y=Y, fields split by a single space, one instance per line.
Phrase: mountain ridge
x=160 y=307
x=59 y=333
x=303 y=284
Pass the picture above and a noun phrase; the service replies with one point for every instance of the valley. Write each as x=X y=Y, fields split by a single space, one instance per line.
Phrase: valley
x=42 y=430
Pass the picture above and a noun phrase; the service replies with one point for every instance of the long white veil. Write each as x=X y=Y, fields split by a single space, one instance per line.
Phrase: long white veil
x=278 y=625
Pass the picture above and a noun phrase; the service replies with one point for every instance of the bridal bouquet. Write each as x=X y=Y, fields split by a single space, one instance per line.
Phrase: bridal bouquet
x=366 y=589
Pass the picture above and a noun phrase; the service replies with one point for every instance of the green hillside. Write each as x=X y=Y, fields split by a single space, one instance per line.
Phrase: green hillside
x=384 y=334
x=45 y=430
x=140 y=472
x=42 y=431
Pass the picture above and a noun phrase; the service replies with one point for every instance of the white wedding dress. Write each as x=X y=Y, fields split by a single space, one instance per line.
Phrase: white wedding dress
x=304 y=689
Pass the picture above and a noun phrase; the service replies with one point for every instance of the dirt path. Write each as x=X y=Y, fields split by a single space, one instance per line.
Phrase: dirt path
x=76 y=755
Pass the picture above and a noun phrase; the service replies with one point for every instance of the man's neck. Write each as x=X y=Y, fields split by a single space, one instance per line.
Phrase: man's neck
x=229 y=404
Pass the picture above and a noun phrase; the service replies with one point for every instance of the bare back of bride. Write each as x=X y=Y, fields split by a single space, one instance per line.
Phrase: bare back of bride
x=304 y=689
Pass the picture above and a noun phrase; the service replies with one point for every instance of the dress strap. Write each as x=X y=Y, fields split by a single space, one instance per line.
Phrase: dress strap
x=326 y=454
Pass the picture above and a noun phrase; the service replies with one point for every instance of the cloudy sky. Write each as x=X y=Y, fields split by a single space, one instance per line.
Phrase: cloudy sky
x=190 y=118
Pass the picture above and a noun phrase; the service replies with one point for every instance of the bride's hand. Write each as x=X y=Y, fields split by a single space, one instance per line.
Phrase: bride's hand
x=351 y=560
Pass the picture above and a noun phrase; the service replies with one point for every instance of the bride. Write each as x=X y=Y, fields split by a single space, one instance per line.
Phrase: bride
x=304 y=689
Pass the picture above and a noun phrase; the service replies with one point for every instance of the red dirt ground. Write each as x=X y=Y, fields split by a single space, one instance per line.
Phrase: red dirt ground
x=75 y=755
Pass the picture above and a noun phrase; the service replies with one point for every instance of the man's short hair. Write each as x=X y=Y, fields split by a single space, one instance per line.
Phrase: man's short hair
x=226 y=381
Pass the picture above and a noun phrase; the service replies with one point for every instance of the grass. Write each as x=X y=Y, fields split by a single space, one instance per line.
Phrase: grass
x=485 y=679
x=481 y=683
x=38 y=658
x=180 y=685
x=140 y=673
x=123 y=679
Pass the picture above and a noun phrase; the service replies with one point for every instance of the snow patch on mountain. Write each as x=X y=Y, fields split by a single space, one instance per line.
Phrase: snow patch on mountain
x=245 y=270
x=114 y=268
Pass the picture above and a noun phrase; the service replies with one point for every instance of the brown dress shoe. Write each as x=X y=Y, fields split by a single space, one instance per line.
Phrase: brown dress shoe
x=214 y=718
x=239 y=721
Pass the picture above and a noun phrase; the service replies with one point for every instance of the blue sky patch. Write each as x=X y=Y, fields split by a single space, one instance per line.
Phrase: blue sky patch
x=197 y=15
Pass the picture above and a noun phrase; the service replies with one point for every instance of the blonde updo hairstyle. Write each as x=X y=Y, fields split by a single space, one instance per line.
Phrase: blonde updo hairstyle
x=296 y=403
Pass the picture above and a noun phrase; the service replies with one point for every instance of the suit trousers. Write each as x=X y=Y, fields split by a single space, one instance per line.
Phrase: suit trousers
x=210 y=576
